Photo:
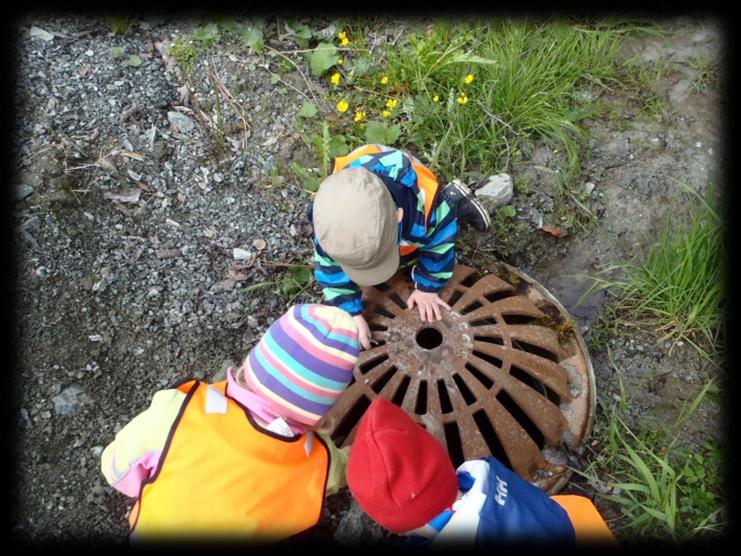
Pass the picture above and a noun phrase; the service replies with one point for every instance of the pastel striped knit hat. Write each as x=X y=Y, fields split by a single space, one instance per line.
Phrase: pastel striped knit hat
x=304 y=361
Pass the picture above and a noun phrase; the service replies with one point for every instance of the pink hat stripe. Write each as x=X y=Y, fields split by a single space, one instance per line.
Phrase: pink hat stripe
x=309 y=343
x=286 y=409
x=353 y=335
x=294 y=378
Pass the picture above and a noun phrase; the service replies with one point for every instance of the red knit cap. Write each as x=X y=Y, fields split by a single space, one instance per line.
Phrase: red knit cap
x=398 y=472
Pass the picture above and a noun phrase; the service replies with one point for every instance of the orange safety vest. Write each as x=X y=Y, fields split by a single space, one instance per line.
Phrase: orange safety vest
x=220 y=475
x=426 y=180
x=589 y=526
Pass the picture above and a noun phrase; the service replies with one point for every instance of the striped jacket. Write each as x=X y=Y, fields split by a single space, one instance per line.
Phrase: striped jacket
x=426 y=238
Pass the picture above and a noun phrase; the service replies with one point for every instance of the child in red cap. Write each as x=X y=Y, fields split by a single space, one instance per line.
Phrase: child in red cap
x=402 y=477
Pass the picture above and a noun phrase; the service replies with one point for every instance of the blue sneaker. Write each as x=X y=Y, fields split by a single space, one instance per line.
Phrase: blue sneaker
x=466 y=206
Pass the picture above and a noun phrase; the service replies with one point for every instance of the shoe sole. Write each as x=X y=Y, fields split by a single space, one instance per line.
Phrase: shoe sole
x=468 y=194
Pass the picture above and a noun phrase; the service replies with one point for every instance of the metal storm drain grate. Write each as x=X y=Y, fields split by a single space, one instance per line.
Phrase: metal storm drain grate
x=504 y=373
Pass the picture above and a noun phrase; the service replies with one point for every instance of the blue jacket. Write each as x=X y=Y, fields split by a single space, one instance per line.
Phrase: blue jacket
x=497 y=506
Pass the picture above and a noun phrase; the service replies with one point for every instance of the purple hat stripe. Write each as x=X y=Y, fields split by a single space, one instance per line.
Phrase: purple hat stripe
x=326 y=370
x=314 y=331
x=275 y=386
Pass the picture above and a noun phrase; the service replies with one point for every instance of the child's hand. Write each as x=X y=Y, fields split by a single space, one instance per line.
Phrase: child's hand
x=428 y=303
x=364 y=334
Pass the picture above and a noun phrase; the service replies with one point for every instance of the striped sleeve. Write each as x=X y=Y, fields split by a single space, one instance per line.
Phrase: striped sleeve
x=337 y=288
x=437 y=255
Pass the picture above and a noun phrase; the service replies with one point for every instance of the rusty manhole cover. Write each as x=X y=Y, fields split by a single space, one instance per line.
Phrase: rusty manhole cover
x=504 y=373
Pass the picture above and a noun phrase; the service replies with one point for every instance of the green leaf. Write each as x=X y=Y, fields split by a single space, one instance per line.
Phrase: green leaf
x=471 y=59
x=227 y=23
x=508 y=211
x=252 y=38
x=379 y=132
x=208 y=33
x=274 y=79
x=308 y=110
x=133 y=61
x=300 y=32
x=360 y=67
x=337 y=146
x=323 y=58
x=282 y=90
x=116 y=52
x=329 y=33
x=407 y=107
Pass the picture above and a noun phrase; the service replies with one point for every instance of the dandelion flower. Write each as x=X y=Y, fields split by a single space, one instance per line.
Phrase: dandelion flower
x=342 y=106
x=335 y=79
x=344 y=41
x=340 y=61
x=462 y=99
x=359 y=115
x=468 y=79
x=386 y=113
x=436 y=98
x=391 y=103
x=384 y=79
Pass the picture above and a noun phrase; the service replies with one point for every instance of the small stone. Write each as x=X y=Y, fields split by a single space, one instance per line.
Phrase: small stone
x=39 y=33
x=68 y=402
x=589 y=187
x=22 y=192
x=497 y=191
x=180 y=121
x=240 y=254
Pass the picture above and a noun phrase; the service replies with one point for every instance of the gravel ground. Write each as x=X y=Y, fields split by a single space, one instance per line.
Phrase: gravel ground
x=135 y=231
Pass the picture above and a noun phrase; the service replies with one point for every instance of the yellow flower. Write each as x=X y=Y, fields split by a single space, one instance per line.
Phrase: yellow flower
x=340 y=61
x=359 y=115
x=344 y=41
x=462 y=99
x=436 y=98
x=468 y=79
x=391 y=103
x=335 y=79
x=384 y=79
x=386 y=113
x=342 y=106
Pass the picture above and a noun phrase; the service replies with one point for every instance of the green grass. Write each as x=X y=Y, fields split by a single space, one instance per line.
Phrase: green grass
x=526 y=79
x=119 y=24
x=532 y=81
x=662 y=491
x=678 y=285
x=184 y=52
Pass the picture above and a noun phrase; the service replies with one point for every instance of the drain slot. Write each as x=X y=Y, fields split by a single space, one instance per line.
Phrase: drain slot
x=350 y=419
x=453 y=375
x=468 y=396
x=490 y=436
x=481 y=377
x=442 y=391
x=521 y=417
